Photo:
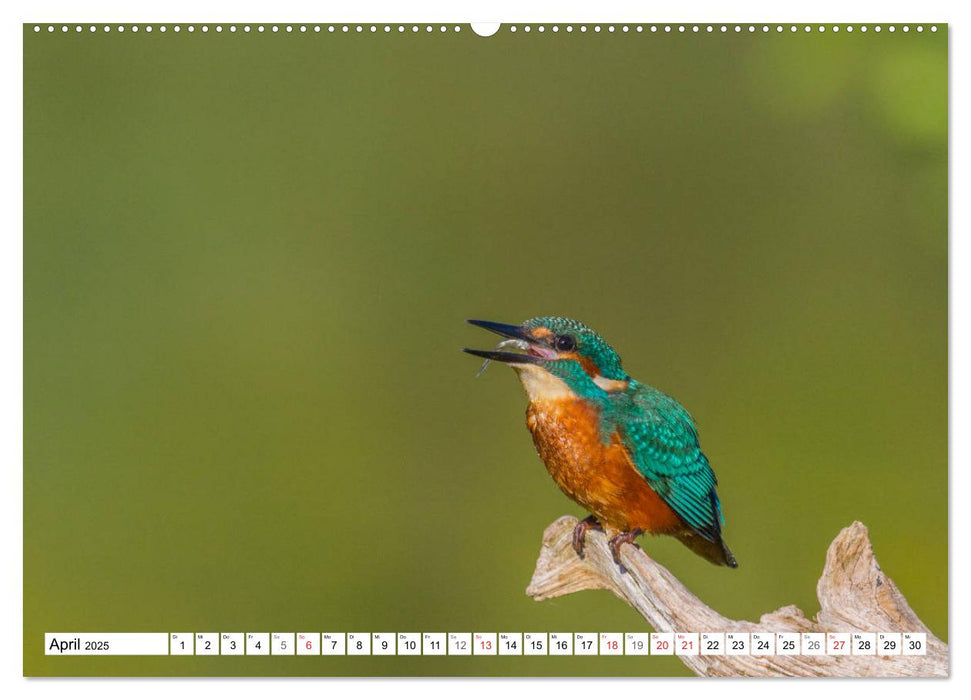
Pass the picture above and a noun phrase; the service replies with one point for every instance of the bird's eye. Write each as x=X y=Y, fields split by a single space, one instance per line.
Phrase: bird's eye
x=564 y=343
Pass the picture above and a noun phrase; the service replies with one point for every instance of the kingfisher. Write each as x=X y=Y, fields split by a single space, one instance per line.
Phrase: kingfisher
x=626 y=452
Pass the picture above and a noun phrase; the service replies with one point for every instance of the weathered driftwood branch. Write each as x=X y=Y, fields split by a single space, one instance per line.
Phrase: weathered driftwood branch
x=854 y=595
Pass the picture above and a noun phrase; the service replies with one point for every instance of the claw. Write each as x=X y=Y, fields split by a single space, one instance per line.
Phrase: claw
x=623 y=538
x=580 y=532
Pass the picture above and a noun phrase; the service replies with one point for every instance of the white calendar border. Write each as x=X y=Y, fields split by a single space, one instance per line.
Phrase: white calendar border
x=11 y=301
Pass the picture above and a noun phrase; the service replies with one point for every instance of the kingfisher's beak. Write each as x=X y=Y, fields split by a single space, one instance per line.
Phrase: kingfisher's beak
x=535 y=350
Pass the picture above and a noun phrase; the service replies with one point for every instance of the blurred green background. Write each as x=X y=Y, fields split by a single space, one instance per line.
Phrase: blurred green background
x=248 y=259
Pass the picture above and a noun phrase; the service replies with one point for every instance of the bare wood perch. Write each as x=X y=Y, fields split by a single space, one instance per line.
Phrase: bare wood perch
x=854 y=595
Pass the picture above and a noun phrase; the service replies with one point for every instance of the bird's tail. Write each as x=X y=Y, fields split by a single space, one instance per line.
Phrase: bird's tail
x=716 y=552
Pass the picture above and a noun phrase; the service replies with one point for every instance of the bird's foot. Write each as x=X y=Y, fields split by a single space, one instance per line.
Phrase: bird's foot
x=580 y=532
x=616 y=541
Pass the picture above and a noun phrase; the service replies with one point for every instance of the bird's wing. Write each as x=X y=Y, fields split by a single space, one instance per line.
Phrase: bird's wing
x=663 y=444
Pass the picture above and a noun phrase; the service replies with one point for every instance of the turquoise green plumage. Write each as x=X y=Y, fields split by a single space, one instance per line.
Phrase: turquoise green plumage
x=663 y=443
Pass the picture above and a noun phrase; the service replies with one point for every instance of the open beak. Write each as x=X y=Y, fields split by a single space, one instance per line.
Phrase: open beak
x=535 y=350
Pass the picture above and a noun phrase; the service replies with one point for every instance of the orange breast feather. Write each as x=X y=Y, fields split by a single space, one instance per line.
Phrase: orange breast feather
x=598 y=476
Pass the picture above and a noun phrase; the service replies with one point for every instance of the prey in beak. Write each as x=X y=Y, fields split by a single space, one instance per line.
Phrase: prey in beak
x=534 y=350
